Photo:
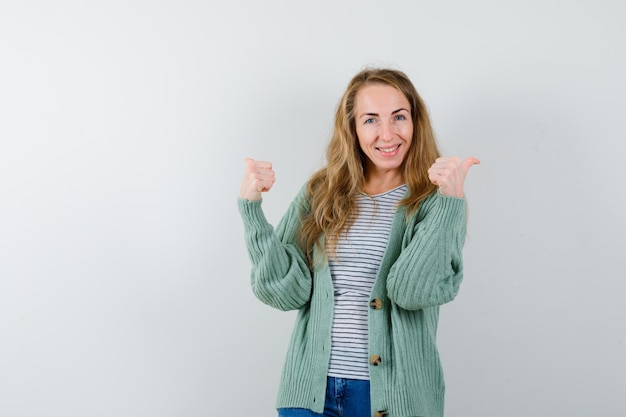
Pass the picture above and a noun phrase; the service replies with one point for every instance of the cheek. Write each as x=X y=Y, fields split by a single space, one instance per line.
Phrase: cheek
x=408 y=138
x=362 y=137
x=408 y=133
x=359 y=138
x=409 y=130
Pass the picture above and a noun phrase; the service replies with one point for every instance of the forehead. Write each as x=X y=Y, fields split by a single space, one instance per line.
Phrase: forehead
x=380 y=96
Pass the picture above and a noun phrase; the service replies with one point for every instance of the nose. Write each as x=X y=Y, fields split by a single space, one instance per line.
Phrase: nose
x=386 y=130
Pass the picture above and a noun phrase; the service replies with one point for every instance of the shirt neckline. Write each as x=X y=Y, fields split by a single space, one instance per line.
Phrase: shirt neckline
x=384 y=192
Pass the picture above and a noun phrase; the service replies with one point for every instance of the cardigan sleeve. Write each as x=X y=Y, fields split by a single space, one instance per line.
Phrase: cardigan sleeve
x=429 y=269
x=280 y=276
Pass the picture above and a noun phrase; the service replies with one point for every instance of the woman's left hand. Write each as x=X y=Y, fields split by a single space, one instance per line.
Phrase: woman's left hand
x=448 y=173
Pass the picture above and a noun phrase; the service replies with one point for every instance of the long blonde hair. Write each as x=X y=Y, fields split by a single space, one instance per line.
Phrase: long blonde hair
x=332 y=190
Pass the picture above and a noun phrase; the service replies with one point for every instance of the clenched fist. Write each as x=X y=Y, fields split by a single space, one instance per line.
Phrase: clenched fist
x=257 y=178
x=449 y=173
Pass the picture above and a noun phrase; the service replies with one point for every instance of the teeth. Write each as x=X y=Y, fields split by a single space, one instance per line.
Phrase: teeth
x=389 y=149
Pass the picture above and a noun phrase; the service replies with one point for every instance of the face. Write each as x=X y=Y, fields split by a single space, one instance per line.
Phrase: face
x=384 y=127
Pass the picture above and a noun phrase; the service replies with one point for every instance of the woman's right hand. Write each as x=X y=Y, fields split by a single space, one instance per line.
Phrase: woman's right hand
x=258 y=178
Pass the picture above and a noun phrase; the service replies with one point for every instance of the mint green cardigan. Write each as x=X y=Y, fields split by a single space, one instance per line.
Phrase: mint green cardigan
x=421 y=269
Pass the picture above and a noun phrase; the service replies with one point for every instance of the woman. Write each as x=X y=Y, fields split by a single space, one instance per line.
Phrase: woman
x=367 y=252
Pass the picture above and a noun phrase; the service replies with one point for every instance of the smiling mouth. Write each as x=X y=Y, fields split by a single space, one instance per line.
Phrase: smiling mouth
x=388 y=150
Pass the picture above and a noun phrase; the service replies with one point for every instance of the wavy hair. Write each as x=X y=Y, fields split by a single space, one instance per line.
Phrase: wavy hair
x=332 y=191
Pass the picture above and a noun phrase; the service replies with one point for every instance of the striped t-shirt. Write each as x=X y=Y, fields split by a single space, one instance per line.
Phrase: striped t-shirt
x=354 y=269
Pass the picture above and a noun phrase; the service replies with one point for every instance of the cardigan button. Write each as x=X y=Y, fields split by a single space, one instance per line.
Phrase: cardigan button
x=381 y=413
x=375 y=360
x=376 y=304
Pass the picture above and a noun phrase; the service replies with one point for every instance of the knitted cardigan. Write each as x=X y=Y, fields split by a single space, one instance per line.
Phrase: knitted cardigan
x=420 y=270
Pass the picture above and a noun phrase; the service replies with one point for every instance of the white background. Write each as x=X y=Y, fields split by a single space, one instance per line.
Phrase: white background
x=124 y=281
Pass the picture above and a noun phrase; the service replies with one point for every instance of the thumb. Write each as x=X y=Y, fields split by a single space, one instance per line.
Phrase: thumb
x=467 y=164
x=249 y=162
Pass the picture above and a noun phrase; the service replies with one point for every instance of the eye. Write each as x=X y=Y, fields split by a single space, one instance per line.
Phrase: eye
x=400 y=117
x=369 y=121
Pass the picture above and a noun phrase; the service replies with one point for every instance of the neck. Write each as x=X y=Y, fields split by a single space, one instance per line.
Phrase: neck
x=382 y=182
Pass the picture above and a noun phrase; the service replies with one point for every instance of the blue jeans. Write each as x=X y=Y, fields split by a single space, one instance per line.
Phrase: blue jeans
x=344 y=398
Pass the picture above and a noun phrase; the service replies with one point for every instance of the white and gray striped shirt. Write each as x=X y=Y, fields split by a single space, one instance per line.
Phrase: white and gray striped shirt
x=354 y=269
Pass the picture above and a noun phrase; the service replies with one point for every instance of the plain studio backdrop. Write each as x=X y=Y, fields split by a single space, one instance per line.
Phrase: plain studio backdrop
x=124 y=280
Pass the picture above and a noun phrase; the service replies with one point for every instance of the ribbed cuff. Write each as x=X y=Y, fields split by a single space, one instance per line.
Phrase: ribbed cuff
x=451 y=210
x=251 y=213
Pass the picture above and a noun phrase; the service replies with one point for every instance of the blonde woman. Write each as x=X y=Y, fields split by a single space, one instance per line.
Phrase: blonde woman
x=367 y=252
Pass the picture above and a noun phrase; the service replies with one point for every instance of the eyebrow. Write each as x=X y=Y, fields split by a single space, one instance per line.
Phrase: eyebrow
x=393 y=112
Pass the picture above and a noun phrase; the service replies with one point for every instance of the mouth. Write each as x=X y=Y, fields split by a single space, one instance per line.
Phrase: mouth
x=388 y=150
